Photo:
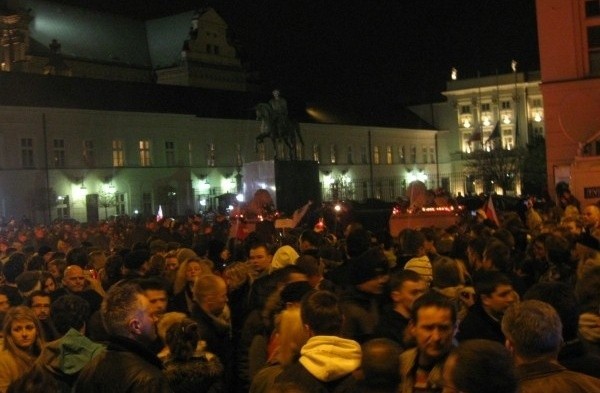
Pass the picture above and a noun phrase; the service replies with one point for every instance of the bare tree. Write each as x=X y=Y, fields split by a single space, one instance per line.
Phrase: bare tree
x=499 y=166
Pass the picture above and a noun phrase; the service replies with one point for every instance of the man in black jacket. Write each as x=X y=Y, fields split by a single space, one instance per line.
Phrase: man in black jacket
x=127 y=365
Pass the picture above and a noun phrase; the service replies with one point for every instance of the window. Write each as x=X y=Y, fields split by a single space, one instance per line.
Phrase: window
x=592 y=8
x=349 y=156
x=413 y=154
x=27 y=152
x=118 y=154
x=364 y=154
x=147 y=203
x=210 y=156
x=505 y=105
x=145 y=153
x=58 y=153
x=536 y=102
x=389 y=159
x=239 y=160
x=485 y=107
x=333 y=154
x=299 y=151
x=424 y=153
x=465 y=109
x=170 y=153
x=401 y=155
x=593 y=36
x=431 y=155
x=316 y=153
x=119 y=203
x=89 y=158
x=376 y=160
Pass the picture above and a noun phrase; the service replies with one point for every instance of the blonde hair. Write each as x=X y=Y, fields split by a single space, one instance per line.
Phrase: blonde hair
x=238 y=273
x=23 y=359
x=292 y=335
x=180 y=278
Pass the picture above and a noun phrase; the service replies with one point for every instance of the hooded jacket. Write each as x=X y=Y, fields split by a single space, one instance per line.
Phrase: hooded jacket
x=325 y=364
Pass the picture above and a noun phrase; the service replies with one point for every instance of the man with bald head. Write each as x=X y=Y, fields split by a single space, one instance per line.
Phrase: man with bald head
x=211 y=312
x=77 y=282
x=591 y=220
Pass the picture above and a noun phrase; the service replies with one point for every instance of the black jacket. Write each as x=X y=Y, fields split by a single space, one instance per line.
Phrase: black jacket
x=126 y=366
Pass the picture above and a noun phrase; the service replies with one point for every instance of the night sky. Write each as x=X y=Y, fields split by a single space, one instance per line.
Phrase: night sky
x=366 y=53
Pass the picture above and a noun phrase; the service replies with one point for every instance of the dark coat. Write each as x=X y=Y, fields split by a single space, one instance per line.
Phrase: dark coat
x=197 y=375
x=126 y=366
x=478 y=324
x=299 y=375
x=550 y=377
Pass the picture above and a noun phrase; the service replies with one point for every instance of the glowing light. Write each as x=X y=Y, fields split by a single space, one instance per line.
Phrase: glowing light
x=454 y=73
x=414 y=175
x=239 y=197
x=466 y=123
x=486 y=121
x=337 y=208
x=537 y=116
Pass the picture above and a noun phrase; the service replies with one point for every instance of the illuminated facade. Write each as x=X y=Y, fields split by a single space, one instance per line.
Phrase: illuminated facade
x=569 y=42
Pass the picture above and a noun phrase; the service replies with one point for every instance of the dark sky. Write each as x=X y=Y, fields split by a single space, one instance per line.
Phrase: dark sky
x=365 y=53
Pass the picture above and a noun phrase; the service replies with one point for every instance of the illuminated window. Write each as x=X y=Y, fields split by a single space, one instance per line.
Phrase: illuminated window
x=431 y=155
x=210 y=156
x=389 y=159
x=413 y=154
x=119 y=203
x=145 y=153
x=170 y=153
x=376 y=160
x=424 y=154
x=89 y=156
x=401 y=155
x=27 y=153
x=118 y=152
x=316 y=153
x=333 y=154
x=58 y=153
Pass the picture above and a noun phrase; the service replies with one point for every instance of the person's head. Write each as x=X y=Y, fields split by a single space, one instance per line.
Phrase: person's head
x=48 y=282
x=496 y=256
x=260 y=257
x=97 y=259
x=39 y=302
x=479 y=366
x=413 y=242
x=558 y=249
x=166 y=321
x=448 y=272
x=210 y=293
x=405 y=287
x=310 y=240
x=562 y=297
x=188 y=271
x=284 y=256
x=321 y=313
x=22 y=332
x=155 y=291
x=591 y=216
x=28 y=282
x=69 y=312
x=369 y=272
x=238 y=274
x=14 y=267
x=182 y=339
x=475 y=249
x=126 y=312
x=74 y=279
x=312 y=267
x=358 y=242
x=137 y=261
x=433 y=325
x=56 y=267
x=495 y=292
x=77 y=256
x=533 y=331
x=380 y=364
x=4 y=300
x=291 y=334
x=171 y=261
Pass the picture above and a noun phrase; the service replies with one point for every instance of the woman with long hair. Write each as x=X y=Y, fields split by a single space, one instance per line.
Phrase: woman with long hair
x=187 y=273
x=22 y=344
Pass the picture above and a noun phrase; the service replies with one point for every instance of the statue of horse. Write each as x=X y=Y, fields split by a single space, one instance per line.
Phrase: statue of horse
x=277 y=129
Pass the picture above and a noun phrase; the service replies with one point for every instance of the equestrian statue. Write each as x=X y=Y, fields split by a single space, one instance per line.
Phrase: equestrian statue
x=276 y=125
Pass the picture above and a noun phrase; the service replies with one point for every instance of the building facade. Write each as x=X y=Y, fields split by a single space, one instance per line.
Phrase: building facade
x=569 y=41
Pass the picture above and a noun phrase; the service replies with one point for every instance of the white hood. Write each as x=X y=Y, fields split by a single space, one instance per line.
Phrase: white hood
x=329 y=358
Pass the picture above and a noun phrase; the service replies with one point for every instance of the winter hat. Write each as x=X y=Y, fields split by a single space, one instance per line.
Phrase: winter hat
x=28 y=281
x=295 y=291
x=285 y=255
x=367 y=266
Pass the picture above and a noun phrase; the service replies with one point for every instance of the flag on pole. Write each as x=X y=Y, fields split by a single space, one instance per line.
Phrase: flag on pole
x=495 y=133
x=159 y=215
x=490 y=211
x=476 y=136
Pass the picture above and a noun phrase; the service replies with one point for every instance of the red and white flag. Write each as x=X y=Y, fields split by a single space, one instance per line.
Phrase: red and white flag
x=159 y=215
x=490 y=211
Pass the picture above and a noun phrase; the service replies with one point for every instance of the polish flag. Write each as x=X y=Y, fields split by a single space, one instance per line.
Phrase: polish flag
x=490 y=211
x=159 y=215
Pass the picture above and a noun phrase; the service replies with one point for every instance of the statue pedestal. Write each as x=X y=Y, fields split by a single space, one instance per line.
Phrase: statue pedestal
x=291 y=183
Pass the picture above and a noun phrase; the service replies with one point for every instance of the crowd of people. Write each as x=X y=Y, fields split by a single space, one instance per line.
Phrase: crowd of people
x=165 y=306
